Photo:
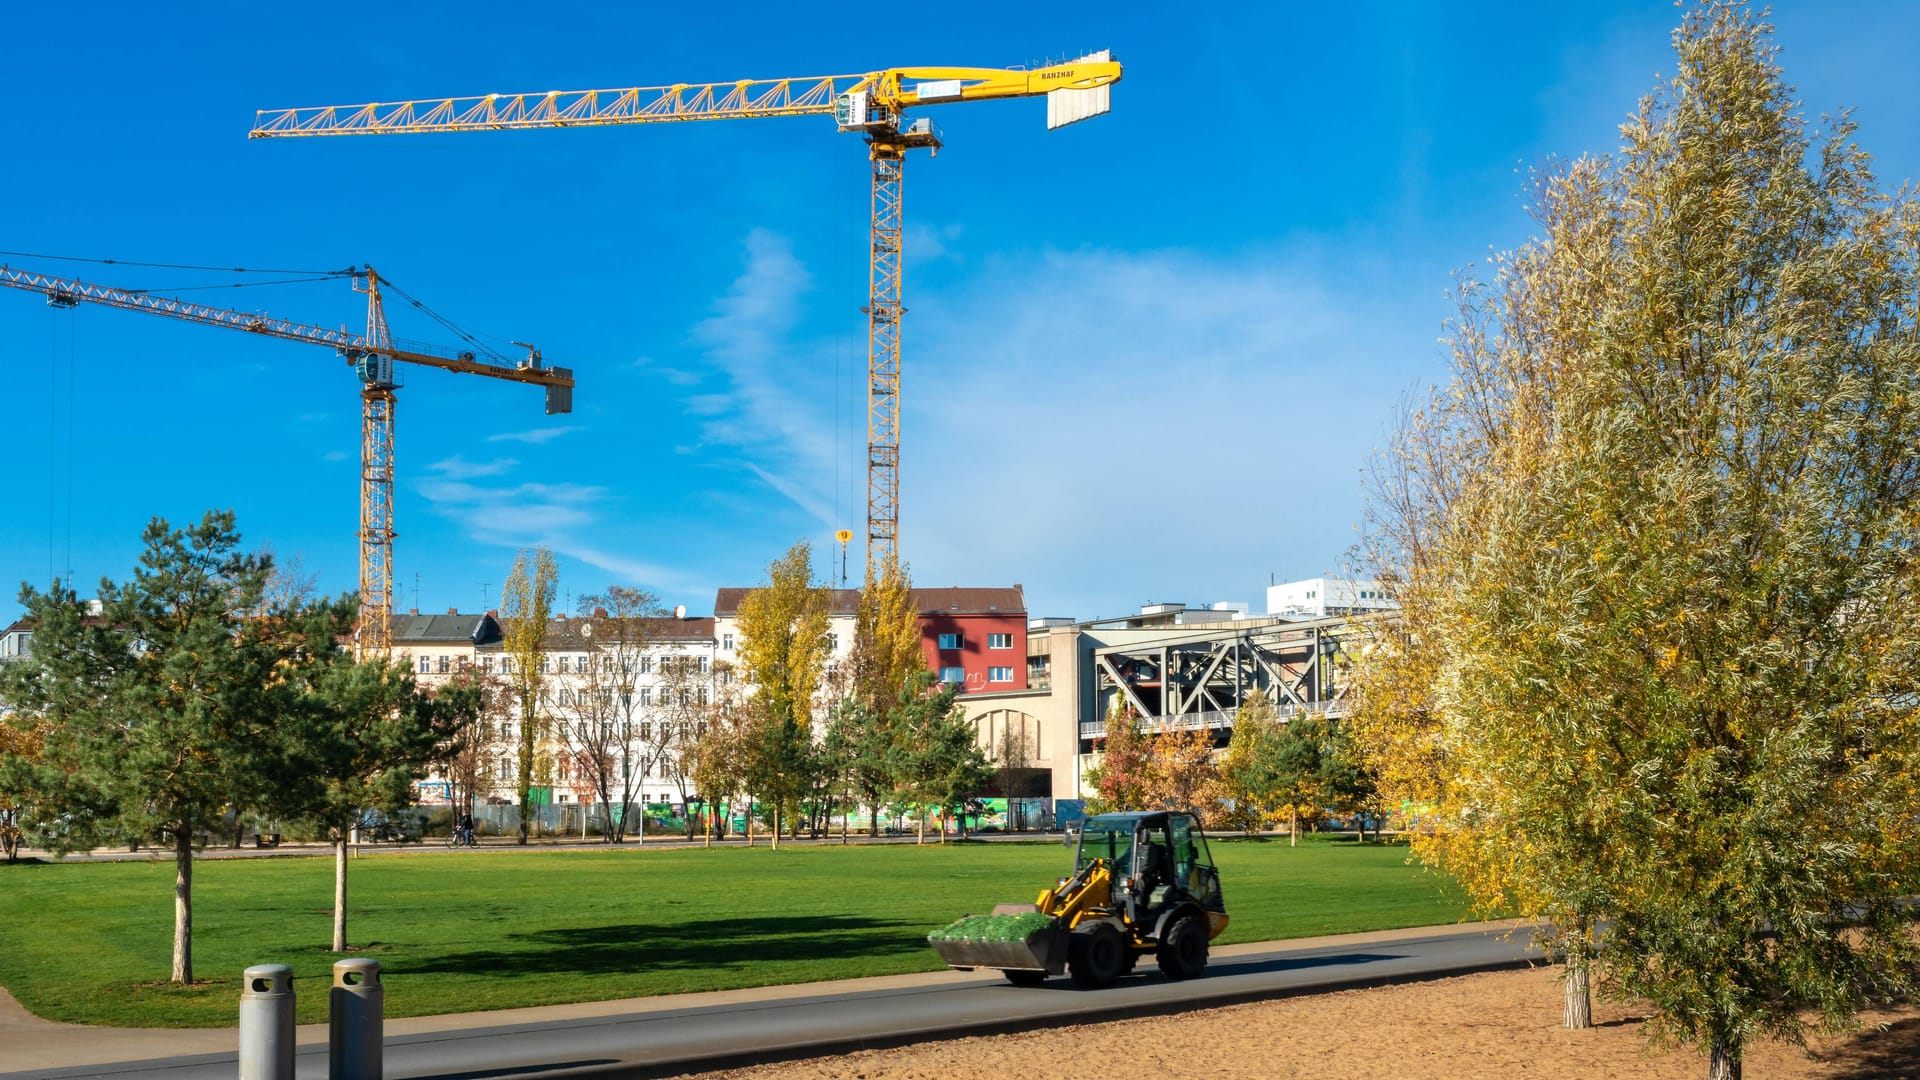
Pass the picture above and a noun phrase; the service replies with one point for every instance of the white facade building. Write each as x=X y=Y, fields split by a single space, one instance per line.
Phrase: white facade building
x=1319 y=598
x=440 y=647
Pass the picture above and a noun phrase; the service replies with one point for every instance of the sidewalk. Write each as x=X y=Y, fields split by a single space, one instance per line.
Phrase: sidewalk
x=33 y=1044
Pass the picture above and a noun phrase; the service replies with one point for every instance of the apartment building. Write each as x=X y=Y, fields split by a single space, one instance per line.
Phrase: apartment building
x=594 y=672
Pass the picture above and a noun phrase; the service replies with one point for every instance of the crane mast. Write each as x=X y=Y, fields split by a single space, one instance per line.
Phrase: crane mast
x=373 y=357
x=872 y=104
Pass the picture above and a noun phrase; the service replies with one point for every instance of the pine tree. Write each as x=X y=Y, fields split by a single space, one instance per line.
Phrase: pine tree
x=168 y=706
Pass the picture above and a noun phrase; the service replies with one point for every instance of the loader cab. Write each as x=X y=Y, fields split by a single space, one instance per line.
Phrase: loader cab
x=1157 y=859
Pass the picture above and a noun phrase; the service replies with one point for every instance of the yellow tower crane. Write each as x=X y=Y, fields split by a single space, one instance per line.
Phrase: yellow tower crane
x=873 y=104
x=373 y=357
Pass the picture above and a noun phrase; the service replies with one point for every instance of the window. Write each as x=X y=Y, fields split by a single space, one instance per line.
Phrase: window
x=999 y=674
x=566 y=664
x=546 y=664
x=949 y=641
x=646 y=695
x=833 y=642
x=445 y=665
x=999 y=641
x=426 y=664
x=646 y=664
x=486 y=663
x=703 y=695
x=726 y=642
x=954 y=675
x=703 y=662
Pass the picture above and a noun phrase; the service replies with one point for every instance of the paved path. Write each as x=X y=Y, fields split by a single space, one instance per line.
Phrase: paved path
x=669 y=1035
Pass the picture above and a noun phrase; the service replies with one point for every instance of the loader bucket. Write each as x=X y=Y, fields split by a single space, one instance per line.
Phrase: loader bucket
x=1025 y=942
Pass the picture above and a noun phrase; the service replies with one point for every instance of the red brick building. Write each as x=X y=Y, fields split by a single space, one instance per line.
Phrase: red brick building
x=975 y=637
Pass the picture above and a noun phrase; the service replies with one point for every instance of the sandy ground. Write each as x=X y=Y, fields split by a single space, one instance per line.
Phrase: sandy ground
x=1499 y=1025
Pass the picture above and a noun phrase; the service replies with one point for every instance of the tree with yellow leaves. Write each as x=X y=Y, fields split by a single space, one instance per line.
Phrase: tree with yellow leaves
x=1657 y=556
x=526 y=602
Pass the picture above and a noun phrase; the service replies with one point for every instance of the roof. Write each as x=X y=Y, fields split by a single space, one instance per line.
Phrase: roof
x=958 y=600
x=449 y=628
x=954 y=600
x=577 y=634
x=726 y=602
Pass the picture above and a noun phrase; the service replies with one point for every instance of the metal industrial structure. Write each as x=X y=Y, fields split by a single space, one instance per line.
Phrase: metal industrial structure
x=1192 y=677
x=873 y=104
x=372 y=356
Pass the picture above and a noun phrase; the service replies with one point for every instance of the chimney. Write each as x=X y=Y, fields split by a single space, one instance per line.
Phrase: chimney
x=413 y=611
x=493 y=613
x=562 y=617
x=599 y=613
x=453 y=611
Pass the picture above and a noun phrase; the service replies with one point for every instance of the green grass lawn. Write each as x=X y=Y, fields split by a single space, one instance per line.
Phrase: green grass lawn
x=462 y=931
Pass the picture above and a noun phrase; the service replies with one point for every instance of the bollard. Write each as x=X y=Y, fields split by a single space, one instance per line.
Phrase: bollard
x=354 y=1038
x=266 y=1023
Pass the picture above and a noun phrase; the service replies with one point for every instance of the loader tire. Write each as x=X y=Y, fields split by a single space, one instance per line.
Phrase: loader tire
x=1022 y=977
x=1183 y=952
x=1096 y=955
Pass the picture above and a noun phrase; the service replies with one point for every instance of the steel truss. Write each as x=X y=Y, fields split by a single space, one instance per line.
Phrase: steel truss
x=1201 y=678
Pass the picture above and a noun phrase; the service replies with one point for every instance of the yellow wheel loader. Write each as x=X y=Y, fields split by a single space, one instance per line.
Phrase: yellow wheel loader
x=1143 y=883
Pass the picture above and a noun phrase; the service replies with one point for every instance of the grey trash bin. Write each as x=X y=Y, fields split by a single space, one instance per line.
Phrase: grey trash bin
x=355 y=1038
x=266 y=1023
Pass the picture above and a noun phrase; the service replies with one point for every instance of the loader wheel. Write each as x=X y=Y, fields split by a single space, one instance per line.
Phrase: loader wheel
x=1023 y=977
x=1096 y=956
x=1183 y=952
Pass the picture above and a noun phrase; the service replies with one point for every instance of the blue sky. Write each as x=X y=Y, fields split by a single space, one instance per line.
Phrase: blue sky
x=1147 y=357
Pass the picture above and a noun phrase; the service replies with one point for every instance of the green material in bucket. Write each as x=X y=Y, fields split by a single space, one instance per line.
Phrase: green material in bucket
x=993 y=928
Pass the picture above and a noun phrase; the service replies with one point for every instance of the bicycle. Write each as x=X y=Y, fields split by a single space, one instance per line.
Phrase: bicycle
x=458 y=837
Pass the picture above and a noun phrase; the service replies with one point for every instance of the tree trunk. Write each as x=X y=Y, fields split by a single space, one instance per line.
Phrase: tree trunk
x=749 y=823
x=1724 y=1064
x=183 y=903
x=776 y=826
x=920 y=828
x=340 y=893
x=1578 y=1013
x=1293 y=827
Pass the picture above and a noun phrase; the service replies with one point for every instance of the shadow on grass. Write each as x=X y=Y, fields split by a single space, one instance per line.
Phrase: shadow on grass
x=714 y=943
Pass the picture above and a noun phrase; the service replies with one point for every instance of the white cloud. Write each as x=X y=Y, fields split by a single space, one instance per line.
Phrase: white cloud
x=335 y=455
x=772 y=412
x=536 y=436
x=924 y=243
x=459 y=468
x=1117 y=428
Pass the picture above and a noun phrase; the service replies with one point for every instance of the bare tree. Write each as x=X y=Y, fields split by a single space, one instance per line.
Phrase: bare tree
x=602 y=710
x=1015 y=757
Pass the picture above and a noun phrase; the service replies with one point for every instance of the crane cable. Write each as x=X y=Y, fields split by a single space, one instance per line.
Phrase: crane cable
x=349 y=271
x=469 y=336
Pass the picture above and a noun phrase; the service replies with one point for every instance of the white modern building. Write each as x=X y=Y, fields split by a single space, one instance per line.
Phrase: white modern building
x=1324 y=597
